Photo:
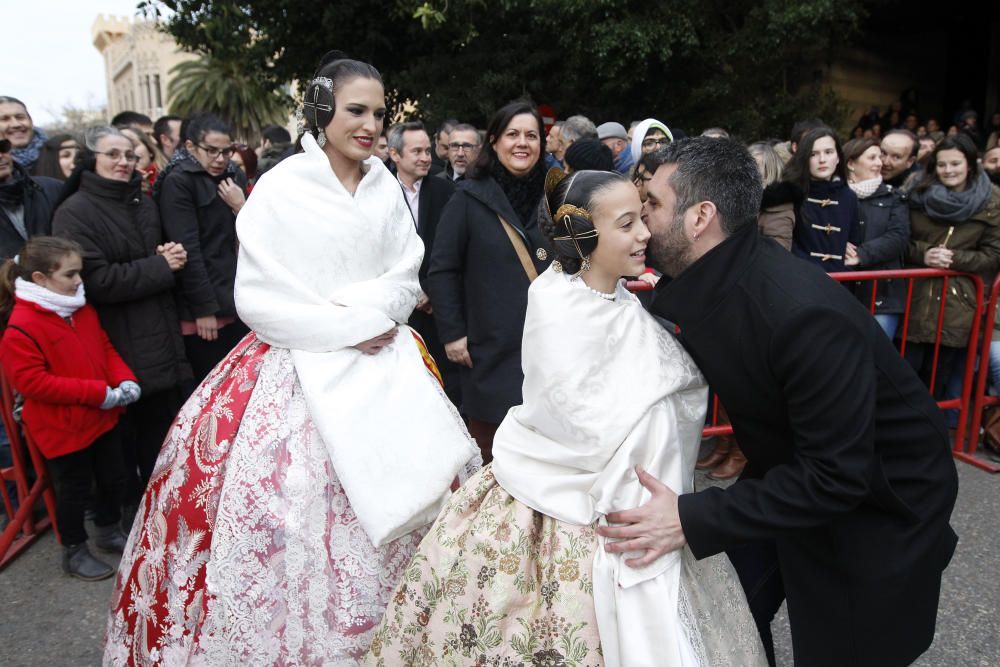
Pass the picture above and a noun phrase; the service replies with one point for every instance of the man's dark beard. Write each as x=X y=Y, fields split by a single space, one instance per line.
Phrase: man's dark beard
x=994 y=176
x=670 y=253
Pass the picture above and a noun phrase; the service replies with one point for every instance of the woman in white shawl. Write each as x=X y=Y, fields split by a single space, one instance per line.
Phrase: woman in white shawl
x=298 y=480
x=513 y=571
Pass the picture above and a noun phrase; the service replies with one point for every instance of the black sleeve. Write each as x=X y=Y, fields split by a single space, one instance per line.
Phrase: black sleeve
x=179 y=215
x=826 y=372
x=893 y=243
x=445 y=278
x=107 y=281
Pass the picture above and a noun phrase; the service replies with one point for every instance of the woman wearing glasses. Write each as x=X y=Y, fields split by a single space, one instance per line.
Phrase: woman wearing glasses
x=648 y=136
x=128 y=273
x=199 y=198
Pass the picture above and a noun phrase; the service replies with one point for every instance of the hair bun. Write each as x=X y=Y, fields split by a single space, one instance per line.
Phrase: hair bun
x=331 y=56
x=553 y=178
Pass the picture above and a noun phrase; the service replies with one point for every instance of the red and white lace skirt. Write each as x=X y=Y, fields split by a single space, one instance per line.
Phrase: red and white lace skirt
x=246 y=549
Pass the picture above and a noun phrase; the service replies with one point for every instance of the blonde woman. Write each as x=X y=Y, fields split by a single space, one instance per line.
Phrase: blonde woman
x=777 y=208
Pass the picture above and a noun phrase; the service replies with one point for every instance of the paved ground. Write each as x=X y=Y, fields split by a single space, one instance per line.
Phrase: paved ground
x=50 y=620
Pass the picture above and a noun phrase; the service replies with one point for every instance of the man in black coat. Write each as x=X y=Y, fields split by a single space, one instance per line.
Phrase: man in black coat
x=26 y=203
x=410 y=151
x=844 y=507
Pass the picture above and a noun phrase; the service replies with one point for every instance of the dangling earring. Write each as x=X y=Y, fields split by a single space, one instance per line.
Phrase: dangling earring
x=321 y=138
x=585 y=265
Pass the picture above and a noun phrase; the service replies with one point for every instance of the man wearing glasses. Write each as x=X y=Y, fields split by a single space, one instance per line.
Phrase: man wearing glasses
x=26 y=203
x=463 y=149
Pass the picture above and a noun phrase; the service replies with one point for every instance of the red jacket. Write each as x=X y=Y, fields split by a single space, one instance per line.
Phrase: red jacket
x=63 y=371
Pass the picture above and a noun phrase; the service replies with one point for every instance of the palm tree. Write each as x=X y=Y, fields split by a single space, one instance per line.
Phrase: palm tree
x=230 y=92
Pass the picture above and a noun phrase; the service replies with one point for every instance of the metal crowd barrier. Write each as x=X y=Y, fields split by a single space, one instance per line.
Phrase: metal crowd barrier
x=22 y=528
x=971 y=400
x=980 y=398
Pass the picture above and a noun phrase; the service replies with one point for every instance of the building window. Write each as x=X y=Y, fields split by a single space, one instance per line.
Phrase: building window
x=149 y=94
x=159 y=93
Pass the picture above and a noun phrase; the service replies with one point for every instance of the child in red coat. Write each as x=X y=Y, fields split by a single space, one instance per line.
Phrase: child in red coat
x=56 y=355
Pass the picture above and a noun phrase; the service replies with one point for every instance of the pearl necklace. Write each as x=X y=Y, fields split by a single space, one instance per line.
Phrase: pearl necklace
x=607 y=296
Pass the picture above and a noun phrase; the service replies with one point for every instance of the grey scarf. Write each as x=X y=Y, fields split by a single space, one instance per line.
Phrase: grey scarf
x=948 y=205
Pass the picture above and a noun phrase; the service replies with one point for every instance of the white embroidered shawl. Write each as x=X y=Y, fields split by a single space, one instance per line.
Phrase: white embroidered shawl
x=320 y=271
x=605 y=388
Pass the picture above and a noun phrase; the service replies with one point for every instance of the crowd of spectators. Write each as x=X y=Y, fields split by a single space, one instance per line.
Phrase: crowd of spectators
x=153 y=206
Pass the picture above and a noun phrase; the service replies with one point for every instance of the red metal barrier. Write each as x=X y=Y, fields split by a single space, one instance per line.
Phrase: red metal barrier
x=22 y=529
x=966 y=435
x=963 y=403
x=635 y=286
x=980 y=398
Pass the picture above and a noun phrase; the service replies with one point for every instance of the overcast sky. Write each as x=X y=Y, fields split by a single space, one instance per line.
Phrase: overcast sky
x=51 y=61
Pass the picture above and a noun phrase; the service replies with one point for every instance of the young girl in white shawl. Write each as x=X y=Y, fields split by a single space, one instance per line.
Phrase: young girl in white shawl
x=513 y=571
x=298 y=480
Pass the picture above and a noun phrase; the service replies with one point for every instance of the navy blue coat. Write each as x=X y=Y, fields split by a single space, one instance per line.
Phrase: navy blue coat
x=825 y=221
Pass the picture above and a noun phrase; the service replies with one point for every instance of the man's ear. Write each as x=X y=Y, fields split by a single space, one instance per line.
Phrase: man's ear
x=706 y=213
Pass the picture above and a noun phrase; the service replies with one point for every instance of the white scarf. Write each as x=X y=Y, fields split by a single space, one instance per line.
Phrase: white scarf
x=320 y=271
x=866 y=188
x=605 y=388
x=60 y=304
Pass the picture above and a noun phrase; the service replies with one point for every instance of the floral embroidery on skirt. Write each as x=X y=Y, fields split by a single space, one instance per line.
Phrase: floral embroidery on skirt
x=494 y=584
x=246 y=549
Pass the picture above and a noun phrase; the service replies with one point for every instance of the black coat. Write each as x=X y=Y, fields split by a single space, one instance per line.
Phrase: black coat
x=849 y=472
x=479 y=289
x=434 y=194
x=885 y=221
x=131 y=286
x=194 y=215
x=41 y=194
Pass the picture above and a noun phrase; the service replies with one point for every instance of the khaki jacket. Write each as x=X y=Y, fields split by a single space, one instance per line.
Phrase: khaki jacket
x=976 y=243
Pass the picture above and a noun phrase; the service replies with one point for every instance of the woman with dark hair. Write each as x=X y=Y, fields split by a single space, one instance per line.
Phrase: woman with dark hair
x=129 y=273
x=301 y=475
x=199 y=198
x=57 y=157
x=245 y=158
x=885 y=225
x=150 y=158
x=487 y=251
x=513 y=571
x=827 y=219
x=588 y=154
x=642 y=173
x=955 y=224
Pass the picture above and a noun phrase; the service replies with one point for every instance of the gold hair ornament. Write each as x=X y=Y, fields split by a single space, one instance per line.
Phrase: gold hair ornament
x=565 y=215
